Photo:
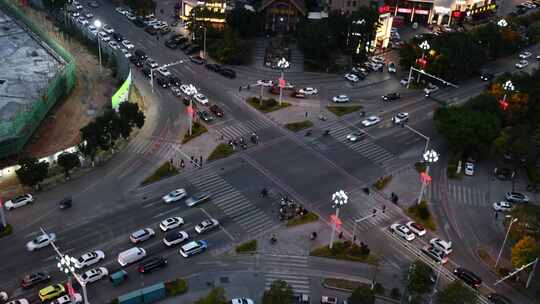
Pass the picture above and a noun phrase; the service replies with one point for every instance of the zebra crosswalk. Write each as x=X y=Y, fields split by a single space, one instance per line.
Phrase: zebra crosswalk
x=233 y=203
x=458 y=194
x=240 y=129
x=364 y=145
x=155 y=147
x=294 y=265
x=380 y=219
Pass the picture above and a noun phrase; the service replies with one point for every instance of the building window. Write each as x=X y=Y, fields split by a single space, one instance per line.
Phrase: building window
x=349 y=3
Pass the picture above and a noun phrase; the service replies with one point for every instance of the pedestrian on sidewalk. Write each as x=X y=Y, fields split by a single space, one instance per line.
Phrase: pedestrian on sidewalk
x=182 y=163
x=240 y=89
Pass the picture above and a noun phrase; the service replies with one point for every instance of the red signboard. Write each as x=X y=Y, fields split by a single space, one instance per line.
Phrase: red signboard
x=421 y=12
x=456 y=14
x=384 y=9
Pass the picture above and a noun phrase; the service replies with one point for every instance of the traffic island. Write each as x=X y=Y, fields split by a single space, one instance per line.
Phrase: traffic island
x=421 y=214
x=309 y=217
x=165 y=170
x=5 y=231
x=342 y=284
x=176 y=287
x=346 y=251
x=299 y=126
x=196 y=130
x=267 y=105
x=340 y=111
x=221 y=151
x=247 y=247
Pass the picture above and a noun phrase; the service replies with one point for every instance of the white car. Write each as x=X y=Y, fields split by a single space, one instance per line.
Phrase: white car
x=108 y=29
x=65 y=299
x=175 y=238
x=401 y=117
x=89 y=16
x=152 y=63
x=442 y=245
x=127 y=55
x=89 y=258
x=392 y=67
x=79 y=7
x=188 y=89
x=164 y=72
x=265 y=83
x=93 y=32
x=308 y=91
x=370 y=121
x=171 y=223
x=402 y=231
x=19 y=301
x=201 y=98
x=469 y=168
x=431 y=88
x=242 y=301
x=340 y=98
x=120 y=10
x=141 y=235
x=127 y=44
x=75 y=14
x=416 y=228
x=175 y=195
x=206 y=225
x=113 y=44
x=91 y=27
x=130 y=16
x=104 y=36
x=502 y=206
x=19 y=201
x=351 y=77
x=404 y=81
x=41 y=241
x=377 y=59
x=93 y=275
x=516 y=197
x=522 y=64
x=176 y=92
x=525 y=55
x=355 y=136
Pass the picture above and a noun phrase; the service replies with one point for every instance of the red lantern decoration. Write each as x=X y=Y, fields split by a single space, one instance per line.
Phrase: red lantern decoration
x=425 y=178
x=504 y=104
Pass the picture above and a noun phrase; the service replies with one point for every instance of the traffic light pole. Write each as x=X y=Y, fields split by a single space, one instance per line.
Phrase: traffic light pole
x=429 y=75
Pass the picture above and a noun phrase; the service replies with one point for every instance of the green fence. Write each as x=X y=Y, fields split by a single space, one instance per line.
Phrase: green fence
x=15 y=133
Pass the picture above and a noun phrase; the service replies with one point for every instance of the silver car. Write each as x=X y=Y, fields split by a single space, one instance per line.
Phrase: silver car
x=141 y=235
x=197 y=199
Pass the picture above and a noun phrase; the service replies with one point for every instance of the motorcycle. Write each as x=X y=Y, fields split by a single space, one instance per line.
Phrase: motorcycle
x=313 y=235
x=273 y=239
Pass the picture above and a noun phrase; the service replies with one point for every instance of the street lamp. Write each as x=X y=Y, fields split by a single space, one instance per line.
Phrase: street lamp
x=505 y=237
x=430 y=156
x=204 y=41
x=339 y=199
x=425 y=47
x=507 y=87
x=436 y=282
x=282 y=64
x=502 y=23
x=98 y=24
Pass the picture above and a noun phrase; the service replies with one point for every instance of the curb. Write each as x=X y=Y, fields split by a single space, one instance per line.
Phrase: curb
x=384 y=298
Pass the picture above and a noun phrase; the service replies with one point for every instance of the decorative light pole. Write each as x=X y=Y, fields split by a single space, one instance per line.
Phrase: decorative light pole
x=339 y=199
x=508 y=86
x=282 y=65
x=502 y=23
x=204 y=41
x=425 y=47
x=430 y=156
x=98 y=24
x=2 y=215
x=504 y=242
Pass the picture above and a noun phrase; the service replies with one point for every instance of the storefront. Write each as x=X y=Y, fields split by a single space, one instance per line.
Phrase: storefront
x=281 y=16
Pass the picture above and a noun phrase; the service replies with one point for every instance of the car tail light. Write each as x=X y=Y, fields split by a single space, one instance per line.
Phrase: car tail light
x=141 y=269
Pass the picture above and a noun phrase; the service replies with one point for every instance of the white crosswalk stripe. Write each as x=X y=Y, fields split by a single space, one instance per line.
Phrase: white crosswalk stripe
x=366 y=147
x=380 y=219
x=154 y=148
x=243 y=128
x=294 y=265
x=233 y=203
x=459 y=194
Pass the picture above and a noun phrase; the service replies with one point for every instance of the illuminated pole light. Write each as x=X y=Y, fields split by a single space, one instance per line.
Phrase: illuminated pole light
x=504 y=242
x=508 y=87
x=282 y=64
x=502 y=23
x=66 y=265
x=98 y=24
x=430 y=156
x=339 y=199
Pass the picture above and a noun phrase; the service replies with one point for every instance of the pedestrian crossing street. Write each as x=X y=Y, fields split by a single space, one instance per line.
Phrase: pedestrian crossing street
x=458 y=194
x=295 y=265
x=242 y=129
x=365 y=146
x=233 y=203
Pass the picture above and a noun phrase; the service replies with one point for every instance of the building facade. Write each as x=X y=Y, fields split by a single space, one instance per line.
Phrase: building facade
x=282 y=16
x=213 y=12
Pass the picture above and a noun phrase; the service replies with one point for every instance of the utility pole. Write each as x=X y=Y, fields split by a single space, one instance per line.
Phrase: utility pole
x=2 y=215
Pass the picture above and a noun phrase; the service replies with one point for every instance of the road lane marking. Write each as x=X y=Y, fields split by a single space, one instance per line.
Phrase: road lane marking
x=221 y=226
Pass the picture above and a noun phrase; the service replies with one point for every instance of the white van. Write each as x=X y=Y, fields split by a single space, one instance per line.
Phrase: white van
x=192 y=248
x=131 y=256
x=444 y=246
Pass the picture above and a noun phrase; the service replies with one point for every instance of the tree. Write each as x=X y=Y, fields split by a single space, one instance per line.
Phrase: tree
x=525 y=251
x=130 y=116
x=32 y=172
x=89 y=140
x=362 y=295
x=53 y=5
x=456 y=293
x=68 y=161
x=419 y=278
x=279 y=293
x=244 y=22
x=142 y=7
x=215 y=296
x=314 y=39
x=363 y=23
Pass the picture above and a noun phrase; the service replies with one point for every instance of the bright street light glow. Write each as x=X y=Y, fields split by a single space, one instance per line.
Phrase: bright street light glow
x=340 y=198
x=502 y=23
x=508 y=86
x=424 y=45
x=431 y=156
x=97 y=23
x=283 y=63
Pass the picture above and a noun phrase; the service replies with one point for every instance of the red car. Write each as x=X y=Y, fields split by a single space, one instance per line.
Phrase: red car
x=33 y=279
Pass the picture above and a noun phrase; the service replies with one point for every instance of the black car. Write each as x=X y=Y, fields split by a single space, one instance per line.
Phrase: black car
x=468 y=277
x=498 y=299
x=175 y=80
x=151 y=30
x=152 y=264
x=164 y=30
x=228 y=73
x=65 y=203
x=391 y=96
x=171 y=43
x=192 y=49
x=205 y=116
x=117 y=37
x=213 y=67
x=216 y=110
x=34 y=278
x=486 y=76
x=197 y=59
x=140 y=54
x=163 y=81
x=139 y=22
